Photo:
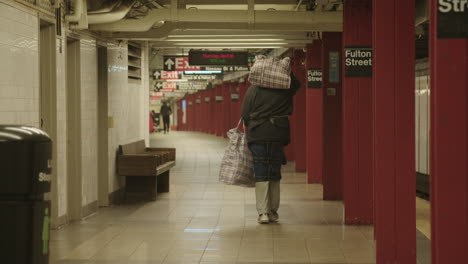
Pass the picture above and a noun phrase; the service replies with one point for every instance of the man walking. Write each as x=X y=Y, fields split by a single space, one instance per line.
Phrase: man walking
x=166 y=112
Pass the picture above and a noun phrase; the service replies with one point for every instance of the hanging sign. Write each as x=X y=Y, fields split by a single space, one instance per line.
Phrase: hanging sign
x=234 y=97
x=452 y=19
x=235 y=68
x=358 y=61
x=198 y=101
x=219 y=98
x=314 y=78
x=189 y=103
x=207 y=99
x=218 y=58
x=170 y=85
x=176 y=63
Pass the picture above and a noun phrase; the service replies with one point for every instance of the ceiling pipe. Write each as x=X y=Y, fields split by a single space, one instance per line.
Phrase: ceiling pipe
x=117 y=14
x=106 y=7
x=78 y=6
x=286 y=18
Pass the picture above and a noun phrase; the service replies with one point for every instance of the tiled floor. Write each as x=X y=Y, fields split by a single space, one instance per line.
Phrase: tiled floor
x=202 y=221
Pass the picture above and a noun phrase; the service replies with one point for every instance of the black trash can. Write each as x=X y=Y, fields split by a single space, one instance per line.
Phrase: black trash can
x=25 y=175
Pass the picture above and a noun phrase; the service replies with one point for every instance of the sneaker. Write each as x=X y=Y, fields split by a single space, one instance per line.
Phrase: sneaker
x=263 y=219
x=274 y=217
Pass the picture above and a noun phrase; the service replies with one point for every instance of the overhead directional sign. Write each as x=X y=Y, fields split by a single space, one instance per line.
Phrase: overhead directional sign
x=235 y=68
x=218 y=58
x=314 y=78
x=175 y=63
x=167 y=75
x=358 y=61
x=452 y=19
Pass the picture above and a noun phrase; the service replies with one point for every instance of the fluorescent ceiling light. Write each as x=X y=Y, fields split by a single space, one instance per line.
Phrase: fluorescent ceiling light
x=237 y=43
x=217 y=39
x=225 y=35
x=224 y=47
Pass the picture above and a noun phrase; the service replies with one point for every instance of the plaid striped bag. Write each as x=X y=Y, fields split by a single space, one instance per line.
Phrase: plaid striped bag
x=237 y=163
x=270 y=72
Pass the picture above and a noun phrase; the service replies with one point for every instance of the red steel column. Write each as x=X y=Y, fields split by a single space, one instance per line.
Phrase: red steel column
x=235 y=105
x=218 y=109
x=226 y=109
x=394 y=130
x=332 y=120
x=198 y=112
x=357 y=121
x=314 y=122
x=299 y=134
x=211 y=120
x=449 y=145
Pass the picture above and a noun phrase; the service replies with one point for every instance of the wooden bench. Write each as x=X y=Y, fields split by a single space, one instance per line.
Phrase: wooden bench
x=146 y=169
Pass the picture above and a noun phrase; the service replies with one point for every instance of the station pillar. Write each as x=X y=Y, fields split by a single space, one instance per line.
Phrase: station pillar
x=394 y=131
x=332 y=120
x=357 y=118
x=314 y=113
x=299 y=134
x=449 y=134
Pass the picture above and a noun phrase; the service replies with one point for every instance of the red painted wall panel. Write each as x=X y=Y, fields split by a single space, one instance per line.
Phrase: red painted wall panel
x=394 y=131
x=218 y=110
x=235 y=105
x=357 y=121
x=299 y=134
x=314 y=113
x=449 y=147
x=332 y=122
x=226 y=113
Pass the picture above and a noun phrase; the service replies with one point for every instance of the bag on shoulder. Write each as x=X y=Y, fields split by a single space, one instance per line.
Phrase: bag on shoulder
x=237 y=163
x=270 y=72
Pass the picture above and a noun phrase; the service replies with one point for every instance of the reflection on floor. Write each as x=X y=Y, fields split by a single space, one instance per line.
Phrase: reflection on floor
x=202 y=221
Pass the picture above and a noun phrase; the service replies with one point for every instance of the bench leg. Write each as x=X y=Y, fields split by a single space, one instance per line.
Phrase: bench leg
x=163 y=182
x=141 y=186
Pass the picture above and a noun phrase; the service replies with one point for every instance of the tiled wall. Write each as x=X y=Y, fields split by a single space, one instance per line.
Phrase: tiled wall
x=89 y=119
x=118 y=93
x=19 y=96
x=61 y=128
x=19 y=78
x=128 y=105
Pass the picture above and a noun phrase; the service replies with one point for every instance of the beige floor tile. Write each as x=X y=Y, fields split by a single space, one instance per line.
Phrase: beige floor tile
x=203 y=221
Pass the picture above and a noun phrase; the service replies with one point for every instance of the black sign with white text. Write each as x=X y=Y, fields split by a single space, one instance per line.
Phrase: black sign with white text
x=358 y=61
x=452 y=19
x=314 y=78
x=218 y=58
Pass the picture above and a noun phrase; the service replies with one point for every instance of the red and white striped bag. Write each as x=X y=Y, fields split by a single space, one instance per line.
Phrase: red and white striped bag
x=271 y=72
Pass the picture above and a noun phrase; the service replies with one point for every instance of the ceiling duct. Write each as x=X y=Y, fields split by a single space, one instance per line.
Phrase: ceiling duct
x=118 y=13
x=327 y=21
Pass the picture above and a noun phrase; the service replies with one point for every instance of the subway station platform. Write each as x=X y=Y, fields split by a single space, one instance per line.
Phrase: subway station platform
x=203 y=221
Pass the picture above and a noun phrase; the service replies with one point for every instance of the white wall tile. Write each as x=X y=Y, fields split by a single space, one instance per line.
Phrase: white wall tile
x=89 y=121
x=19 y=72
x=61 y=129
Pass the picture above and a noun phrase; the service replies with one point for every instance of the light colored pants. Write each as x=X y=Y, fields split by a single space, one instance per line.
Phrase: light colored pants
x=268 y=196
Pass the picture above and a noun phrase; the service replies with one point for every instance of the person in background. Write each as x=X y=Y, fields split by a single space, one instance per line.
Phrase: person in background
x=166 y=112
x=265 y=112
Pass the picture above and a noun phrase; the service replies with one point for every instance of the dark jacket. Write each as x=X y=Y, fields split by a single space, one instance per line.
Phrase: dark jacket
x=265 y=111
x=165 y=110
